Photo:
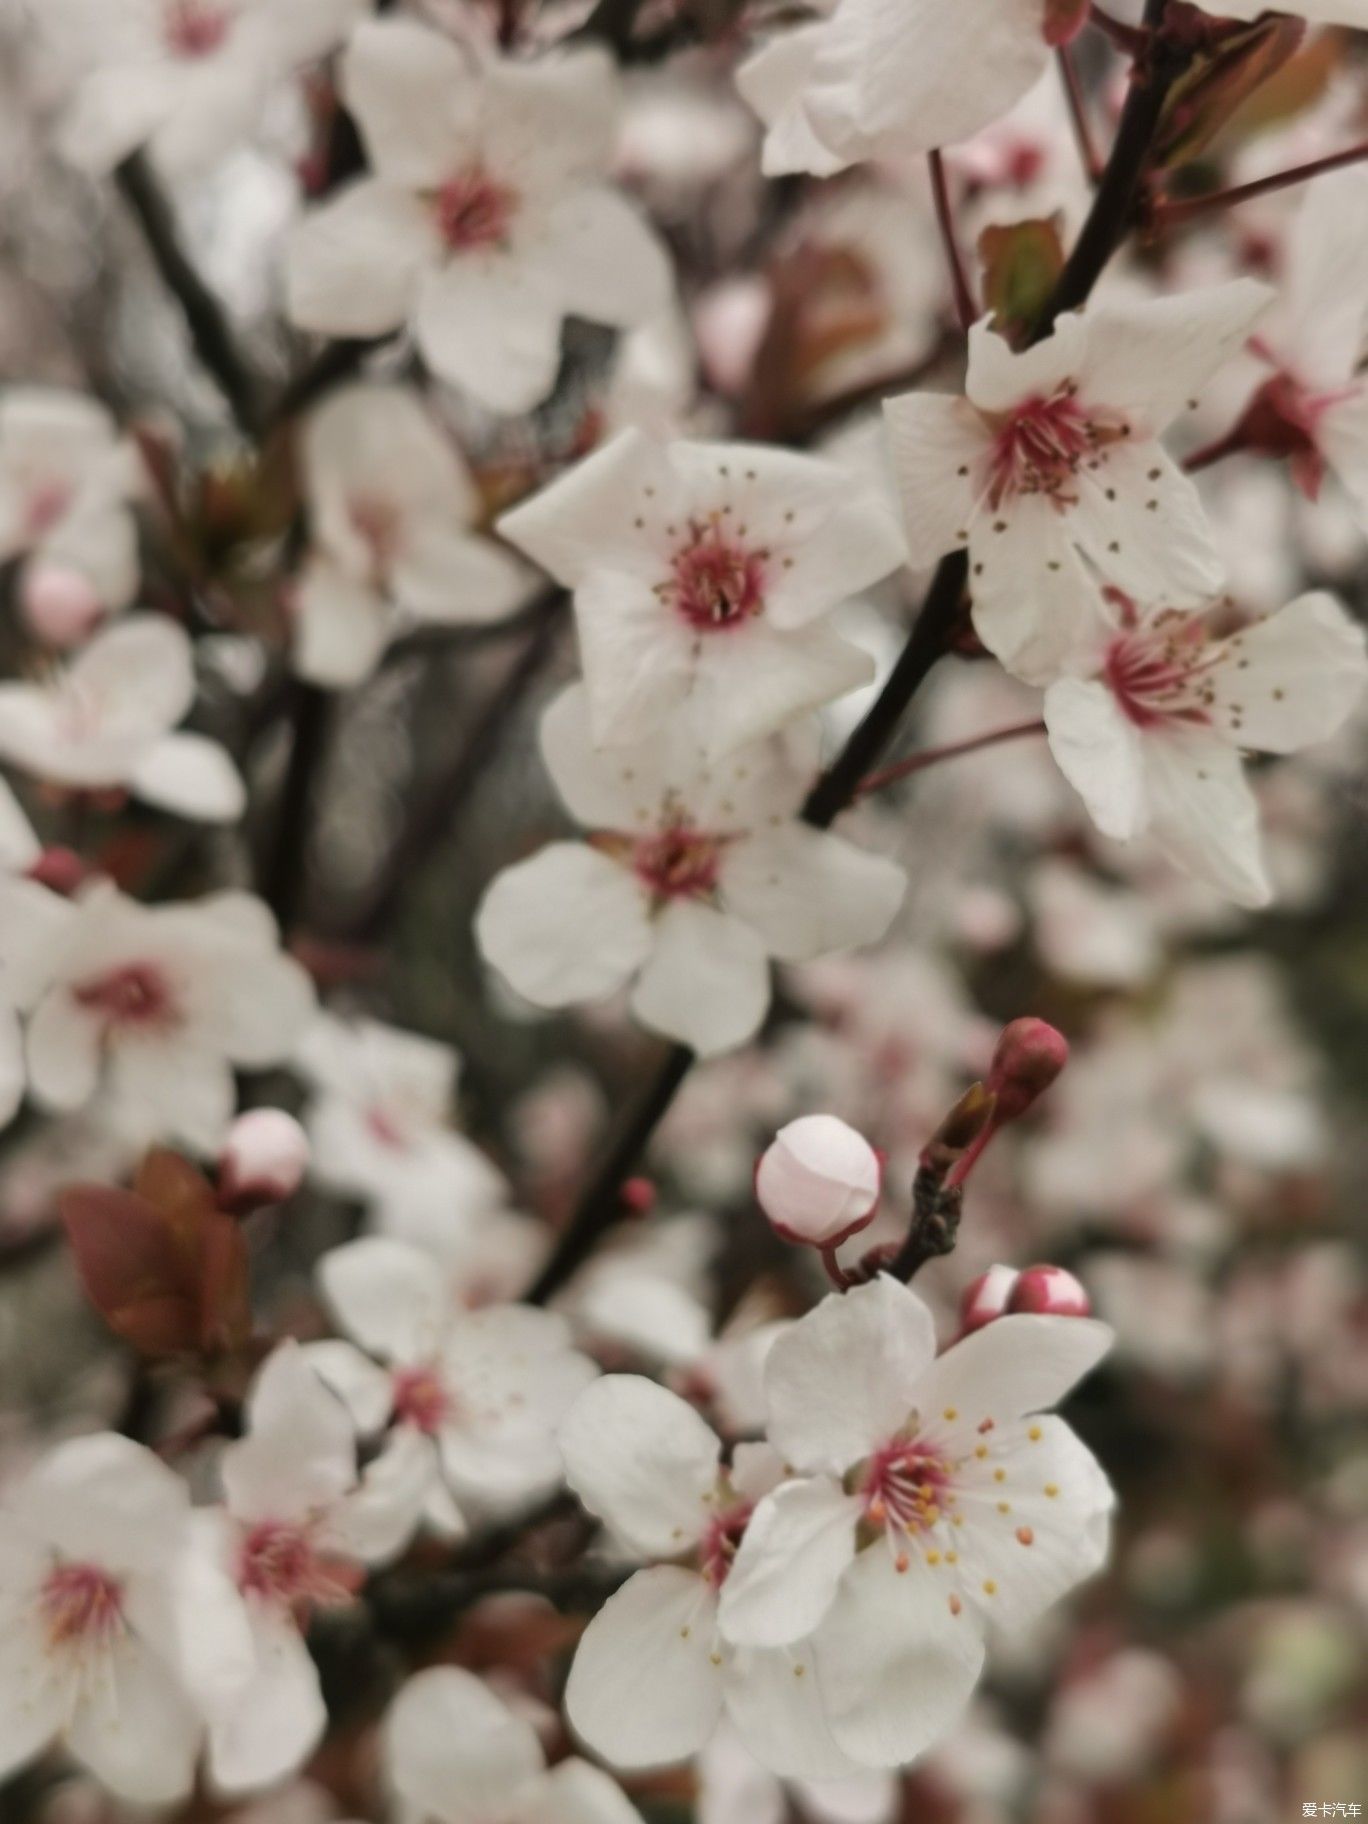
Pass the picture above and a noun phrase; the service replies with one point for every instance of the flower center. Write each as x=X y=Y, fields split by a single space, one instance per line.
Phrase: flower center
x=717 y=582
x=378 y=523
x=906 y=1488
x=135 y=995
x=420 y=1399
x=1160 y=674
x=196 y=28
x=474 y=210
x=81 y=1605
x=277 y=1561
x=678 y=863
x=44 y=507
x=1040 y=445
x=722 y=1541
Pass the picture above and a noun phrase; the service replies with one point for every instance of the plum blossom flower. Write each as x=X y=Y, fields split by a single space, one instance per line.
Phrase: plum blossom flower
x=653 y=1677
x=155 y=1004
x=108 y=719
x=455 y=1753
x=1051 y=473
x=1313 y=408
x=887 y=79
x=66 y=481
x=694 y=875
x=936 y=1501
x=733 y=1788
x=114 y=1626
x=186 y=78
x=298 y=1528
x=1150 y=724
x=380 y=1120
x=701 y=573
x=472 y=1398
x=392 y=509
x=487 y=219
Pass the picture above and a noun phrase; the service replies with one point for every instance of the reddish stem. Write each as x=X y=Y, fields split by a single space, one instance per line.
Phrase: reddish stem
x=836 y=1273
x=1078 y=114
x=965 y=308
x=1133 y=40
x=1184 y=209
x=932 y=756
x=1215 y=451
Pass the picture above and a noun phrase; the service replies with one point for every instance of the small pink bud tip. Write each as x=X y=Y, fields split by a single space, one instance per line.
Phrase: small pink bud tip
x=818 y=1181
x=638 y=1196
x=1049 y=1292
x=987 y=1297
x=1030 y=1054
x=60 y=606
x=263 y=1161
x=60 y=870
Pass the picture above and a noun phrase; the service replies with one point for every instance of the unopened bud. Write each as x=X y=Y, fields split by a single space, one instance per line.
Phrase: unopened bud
x=1030 y=1054
x=987 y=1297
x=1049 y=1292
x=637 y=1196
x=59 y=605
x=61 y=870
x=263 y=1161
x=818 y=1181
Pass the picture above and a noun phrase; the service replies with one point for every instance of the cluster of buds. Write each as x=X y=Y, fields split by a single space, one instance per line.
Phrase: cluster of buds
x=819 y=1181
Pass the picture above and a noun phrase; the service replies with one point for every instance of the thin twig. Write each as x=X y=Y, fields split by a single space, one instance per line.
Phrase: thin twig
x=1078 y=114
x=210 y=332
x=441 y=802
x=965 y=307
x=1168 y=213
x=932 y=756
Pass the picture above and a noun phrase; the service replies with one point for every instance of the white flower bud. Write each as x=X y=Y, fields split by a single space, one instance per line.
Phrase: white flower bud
x=818 y=1181
x=263 y=1161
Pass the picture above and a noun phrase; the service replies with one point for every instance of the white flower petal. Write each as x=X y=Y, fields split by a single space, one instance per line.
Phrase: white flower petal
x=807 y=892
x=353 y=266
x=1100 y=752
x=641 y=1458
x=192 y=776
x=797 y=1544
x=706 y=982
x=569 y=925
x=386 y=1296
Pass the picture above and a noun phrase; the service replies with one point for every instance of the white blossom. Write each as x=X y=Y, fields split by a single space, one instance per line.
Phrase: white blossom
x=693 y=877
x=298 y=1526
x=107 y=719
x=886 y=79
x=380 y=1121
x=153 y=1004
x=1151 y=720
x=1050 y=471
x=487 y=218
x=188 y=79
x=653 y=1677
x=114 y=1625
x=66 y=483
x=470 y=1398
x=392 y=513
x=702 y=574
x=934 y=1502
x=455 y=1753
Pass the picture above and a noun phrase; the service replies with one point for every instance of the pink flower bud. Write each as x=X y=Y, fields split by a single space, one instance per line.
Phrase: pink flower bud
x=60 y=605
x=987 y=1297
x=818 y=1181
x=1049 y=1292
x=1028 y=1058
x=61 y=870
x=263 y=1161
x=638 y=1196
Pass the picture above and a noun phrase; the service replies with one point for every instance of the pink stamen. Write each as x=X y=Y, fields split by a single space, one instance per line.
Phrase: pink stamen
x=80 y=1604
x=1160 y=673
x=906 y=1486
x=1041 y=444
x=196 y=28
x=278 y=1562
x=679 y=863
x=474 y=210
x=133 y=995
x=420 y=1399
x=717 y=582
x=722 y=1541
